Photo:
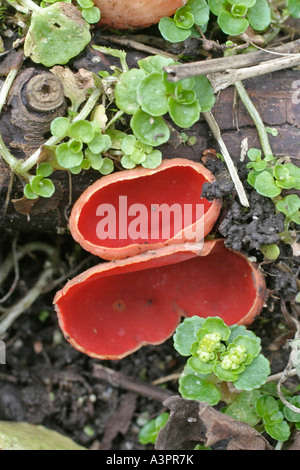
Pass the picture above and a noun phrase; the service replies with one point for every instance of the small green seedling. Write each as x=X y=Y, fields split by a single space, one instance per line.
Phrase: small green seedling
x=262 y=409
x=268 y=176
x=83 y=146
x=183 y=25
x=40 y=184
x=218 y=353
x=233 y=17
x=271 y=252
x=148 y=433
x=147 y=95
x=137 y=153
x=290 y=207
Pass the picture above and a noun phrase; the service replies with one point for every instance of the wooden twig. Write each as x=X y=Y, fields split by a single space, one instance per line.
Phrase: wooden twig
x=119 y=380
x=138 y=46
x=220 y=81
x=208 y=67
x=230 y=165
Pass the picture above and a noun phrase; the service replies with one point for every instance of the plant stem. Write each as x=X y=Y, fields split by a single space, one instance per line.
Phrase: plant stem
x=7 y=86
x=263 y=135
x=114 y=119
x=230 y=165
x=16 y=310
x=24 y=6
x=88 y=107
x=12 y=161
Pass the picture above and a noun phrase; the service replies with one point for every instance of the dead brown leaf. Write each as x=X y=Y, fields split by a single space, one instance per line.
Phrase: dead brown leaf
x=192 y=422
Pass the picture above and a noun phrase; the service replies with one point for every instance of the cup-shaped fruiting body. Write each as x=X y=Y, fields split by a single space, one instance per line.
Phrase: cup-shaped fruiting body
x=135 y=14
x=114 y=308
x=134 y=211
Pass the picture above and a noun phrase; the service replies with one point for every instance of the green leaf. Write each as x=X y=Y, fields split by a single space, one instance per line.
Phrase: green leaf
x=225 y=375
x=184 y=115
x=46 y=43
x=148 y=433
x=184 y=96
x=85 y=3
x=270 y=251
x=75 y=145
x=283 y=177
x=216 y=6
x=193 y=387
x=272 y=130
x=246 y=3
x=138 y=156
x=199 y=366
x=29 y=193
x=295 y=172
x=82 y=130
x=266 y=405
x=240 y=330
x=128 y=144
x=171 y=32
x=46 y=188
x=91 y=15
x=100 y=143
x=279 y=431
x=126 y=90
x=294 y=8
x=186 y=334
x=204 y=92
x=155 y=63
x=259 y=15
x=215 y=325
x=184 y=18
x=44 y=169
x=290 y=205
x=291 y=415
x=239 y=10
x=95 y=159
x=153 y=159
x=265 y=185
x=66 y=158
x=42 y=187
x=107 y=166
x=127 y=163
x=151 y=94
x=254 y=375
x=232 y=25
x=148 y=129
x=243 y=408
x=59 y=127
x=200 y=11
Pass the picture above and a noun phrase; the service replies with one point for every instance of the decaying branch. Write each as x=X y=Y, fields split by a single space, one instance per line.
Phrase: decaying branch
x=249 y=60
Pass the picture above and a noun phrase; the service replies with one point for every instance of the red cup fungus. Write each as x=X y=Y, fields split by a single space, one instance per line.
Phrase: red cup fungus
x=114 y=308
x=135 y=14
x=169 y=191
x=139 y=296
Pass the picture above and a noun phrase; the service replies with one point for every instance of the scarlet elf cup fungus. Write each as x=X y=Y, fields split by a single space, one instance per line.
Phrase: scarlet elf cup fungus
x=119 y=14
x=173 y=189
x=114 y=308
